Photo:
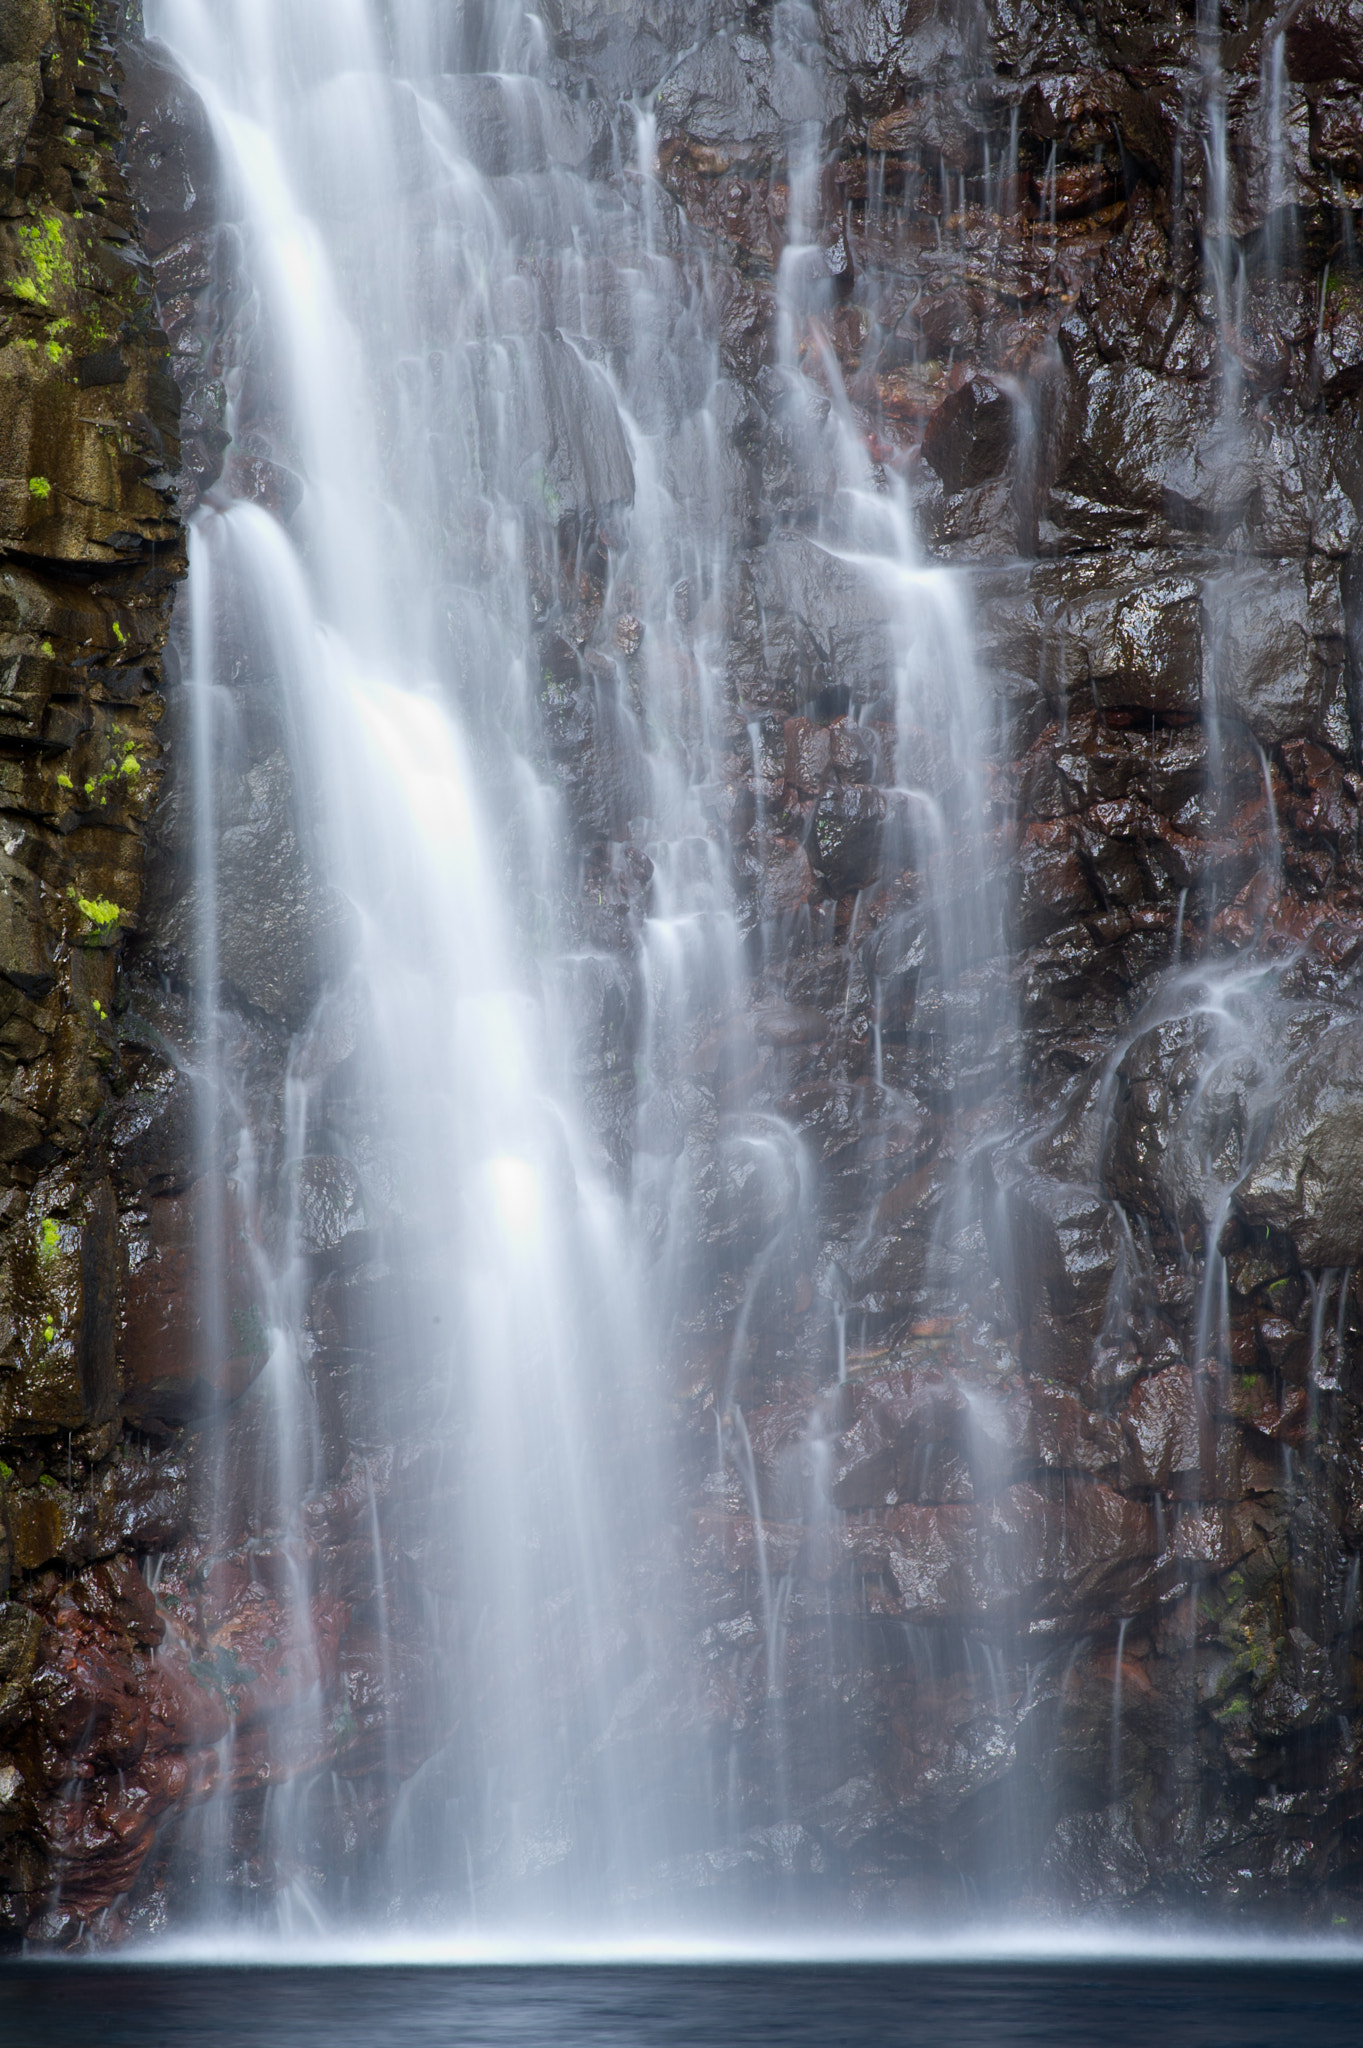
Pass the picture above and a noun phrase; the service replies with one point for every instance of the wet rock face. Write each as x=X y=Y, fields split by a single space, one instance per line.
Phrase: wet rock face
x=1019 y=1190
x=90 y=552
x=1079 y=1525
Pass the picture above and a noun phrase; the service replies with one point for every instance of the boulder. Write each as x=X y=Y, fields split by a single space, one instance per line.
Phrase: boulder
x=1162 y=1431
x=819 y=630
x=844 y=845
x=887 y=44
x=627 y=45
x=280 y=932
x=1142 y=640
x=328 y=1203
x=20 y=1633
x=1155 y=450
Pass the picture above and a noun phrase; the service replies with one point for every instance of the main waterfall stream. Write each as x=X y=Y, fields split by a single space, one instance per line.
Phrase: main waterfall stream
x=477 y=380
x=741 y=727
x=419 y=405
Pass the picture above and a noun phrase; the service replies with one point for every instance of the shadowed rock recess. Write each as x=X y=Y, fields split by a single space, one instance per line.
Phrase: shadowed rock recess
x=1037 y=1584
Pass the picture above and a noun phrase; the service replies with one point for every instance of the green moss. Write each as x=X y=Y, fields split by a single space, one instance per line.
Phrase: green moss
x=99 y=913
x=48 y=650
x=125 y=766
x=65 y=782
x=51 y=269
x=49 y=1238
x=39 y=487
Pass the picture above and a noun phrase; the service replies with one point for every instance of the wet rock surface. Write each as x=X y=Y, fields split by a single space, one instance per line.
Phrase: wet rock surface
x=1018 y=1255
x=91 y=551
x=1066 y=1562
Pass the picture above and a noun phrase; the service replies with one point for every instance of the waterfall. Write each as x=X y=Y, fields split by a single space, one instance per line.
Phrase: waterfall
x=759 y=1361
x=402 y=195
x=431 y=1118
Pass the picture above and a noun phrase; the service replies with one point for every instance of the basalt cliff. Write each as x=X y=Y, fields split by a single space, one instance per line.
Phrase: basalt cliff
x=1046 y=1369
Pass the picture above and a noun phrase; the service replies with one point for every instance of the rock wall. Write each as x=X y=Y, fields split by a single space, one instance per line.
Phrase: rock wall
x=1068 y=1560
x=1084 y=1634
x=90 y=553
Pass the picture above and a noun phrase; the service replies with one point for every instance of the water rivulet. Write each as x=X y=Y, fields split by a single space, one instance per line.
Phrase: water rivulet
x=739 y=1133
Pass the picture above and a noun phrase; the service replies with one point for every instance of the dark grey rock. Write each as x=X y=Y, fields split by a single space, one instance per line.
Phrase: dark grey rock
x=521 y=124
x=1142 y=639
x=818 y=626
x=551 y=429
x=280 y=933
x=1274 y=651
x=1156 y=449
x=888 y=42
x=328 y=1202
x=172 y=156
x=1308 y=1179
x=627 y=45
x=736 y=94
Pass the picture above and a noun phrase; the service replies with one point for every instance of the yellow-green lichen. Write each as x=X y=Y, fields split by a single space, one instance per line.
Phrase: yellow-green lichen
x=126 y=765
x=99 y=913
x=51 y=270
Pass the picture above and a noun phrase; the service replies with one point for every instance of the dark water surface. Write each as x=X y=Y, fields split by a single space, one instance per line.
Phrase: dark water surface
x=1158 y=2004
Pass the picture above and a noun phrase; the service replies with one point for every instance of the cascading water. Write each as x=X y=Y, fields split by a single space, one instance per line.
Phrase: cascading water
x=730 y=1400
x=517 y=1369
x=421 y=397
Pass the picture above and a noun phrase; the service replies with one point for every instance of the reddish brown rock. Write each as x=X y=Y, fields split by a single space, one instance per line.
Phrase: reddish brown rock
x=185 y=1353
